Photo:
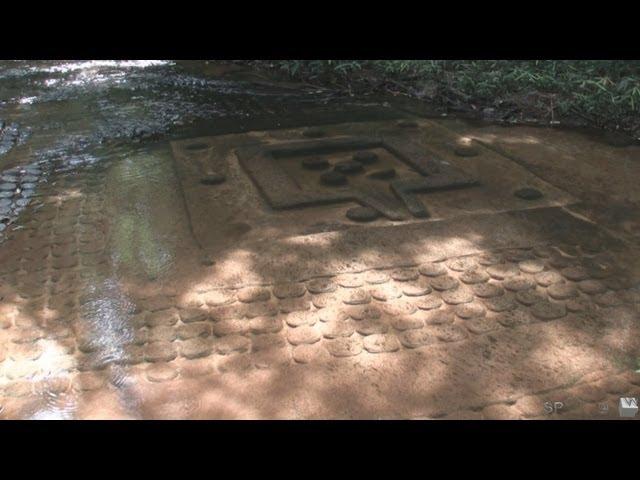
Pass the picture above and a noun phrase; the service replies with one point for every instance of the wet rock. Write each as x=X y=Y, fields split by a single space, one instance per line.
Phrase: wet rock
x=213 y=179
x=528 y=194
x=315 y=163
x=348 y=167
x=362 y=214
x=382 y=174
x=365 y=157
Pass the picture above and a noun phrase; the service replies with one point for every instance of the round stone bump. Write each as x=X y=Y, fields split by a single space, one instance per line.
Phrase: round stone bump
x=253 y=294
x=591 y=287
x=529 y=297
x=381 y=343
x=382 y=174
x=528 y=193
x=386 y=293
x=438 y=317
x=337 y=329
x=315 y=163
x=444 y=283
x=196 y=348
x=358 y=297
x=461 y=264
x=371 y=327
x=416 y=290
x=321 y=285
x=429 y=303
x=213 y=179
x=518 y=283
x=481 y=325
x=161 y=372
x=467 y=311
x=309 y=354
x=474 y=276
x=344 y=347
x=432 y=269
x=466 y=151
x=500 y=304
x=348 y=167
x=457 y=296
x=350 y=281
x=303 y=335
x=289 y=290
x=547 y=278
x=562 y=291
x=365 y=157
x=502 y=271
x=531 y=266
x=449 y=333
x=375 y=277
x=362 y=214
x=407 y=322
x=416 y=338
x=404 y=275
x=333 y=178
x=575 y=274
x=546 y=310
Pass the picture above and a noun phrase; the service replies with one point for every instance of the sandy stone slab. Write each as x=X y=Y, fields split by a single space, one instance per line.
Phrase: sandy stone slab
x=161 y=372
x=429 y=303
x=529 y=297
x=156 y=303
x=405 y=275
x=358 y=297
x=303 y=335
x=296 y=319
x=501 y=271
x=260 y=325
x=546 y=310
x=448 y=333
x=162 y=333
x=231 y=344
x=432 y=269
x=381 y=343
x=472 y=277
x=518 y=283
x=197 y=368
x=196 y=347
x=609 y=299
x=218 y=298
x=376 y=277
x=324 y=300
x=350 y=281
x=386 y=293
x=371 y=327
x=562 y=291
x=268 y=341
x=321 y=285
x=591 y=287
x=457 y=296
x=416 y=338
x=267 y=359
x=344 y=347
x=500 y=304
x=444 y=283
x=531 y=266
x=514 y=318
x=547 y=278
x=161 y=318
x=364 y=312
x=481 y=325
x=315 y=353
x=289 y=290
x=193 y=330
x=253 y=294
x=407 y=322
x=160 y=352
x=575 y=273
x=230 y=327
x=415 y=290
x=290 y=305
x=470 y=310
x=399 y=307
x=438 y=317
x=336 y=329
x=462 y=264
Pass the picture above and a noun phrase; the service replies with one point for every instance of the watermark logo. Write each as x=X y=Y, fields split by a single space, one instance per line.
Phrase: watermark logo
x=628 y=407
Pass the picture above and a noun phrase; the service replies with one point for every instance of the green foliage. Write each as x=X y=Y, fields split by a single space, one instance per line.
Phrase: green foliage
x=604 y=91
